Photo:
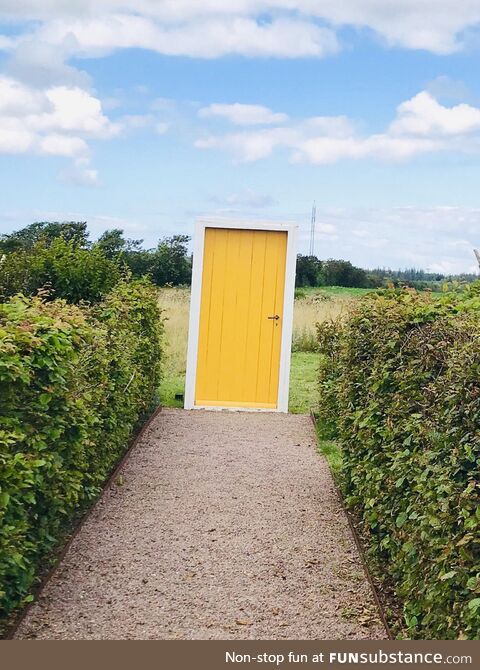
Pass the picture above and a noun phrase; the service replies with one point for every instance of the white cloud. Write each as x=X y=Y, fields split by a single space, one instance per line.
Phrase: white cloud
x=248 y=198
x=251 y=145
x=80 y=173
x=73 y=109
x=326 y=229
x=58 y=109
x=206 y=37
x=163 y=105
x=55 y=144
x=326 y=150
x=433 y=25
x=7 y=43
x=240 y=26
x=14 y=140
x=18 y=100
x=422 y=125
x=49 y=34
x=423 y=115
x=162 y=127
x=59 y=121
x=55 y=121
x=438 y=239
x=243 y=115
x=137 y=121
x=36 y=62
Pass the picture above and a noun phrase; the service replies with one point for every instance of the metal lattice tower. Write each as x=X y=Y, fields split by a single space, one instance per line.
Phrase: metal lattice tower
x=312 y=229
x=477 y=256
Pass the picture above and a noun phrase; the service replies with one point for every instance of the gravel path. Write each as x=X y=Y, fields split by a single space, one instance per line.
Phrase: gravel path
x=226 y=525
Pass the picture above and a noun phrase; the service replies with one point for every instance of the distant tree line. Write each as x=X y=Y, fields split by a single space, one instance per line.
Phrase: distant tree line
x=311 y=271
x=59 y=256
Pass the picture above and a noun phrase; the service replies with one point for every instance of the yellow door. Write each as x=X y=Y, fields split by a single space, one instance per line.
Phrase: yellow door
x=240 y=335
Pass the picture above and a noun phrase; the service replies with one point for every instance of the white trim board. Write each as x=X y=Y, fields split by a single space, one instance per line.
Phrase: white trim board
x=195 y=303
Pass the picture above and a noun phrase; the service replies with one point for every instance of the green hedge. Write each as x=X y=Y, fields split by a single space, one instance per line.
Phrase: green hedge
x=74 y=385
x=63 y=268
x=400 y=383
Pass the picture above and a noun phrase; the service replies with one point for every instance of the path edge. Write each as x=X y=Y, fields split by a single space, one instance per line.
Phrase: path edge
x=358 y=544
x=18 y=620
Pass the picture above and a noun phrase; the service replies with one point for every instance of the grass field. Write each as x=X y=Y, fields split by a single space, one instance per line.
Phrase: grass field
x=175 y=302
x=315 y=305
x=312 y=305
x=333 y=291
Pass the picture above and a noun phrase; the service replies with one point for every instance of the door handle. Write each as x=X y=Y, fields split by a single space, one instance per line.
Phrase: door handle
x=275 y=317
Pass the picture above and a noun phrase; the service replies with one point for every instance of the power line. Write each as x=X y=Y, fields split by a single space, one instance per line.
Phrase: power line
x=312 y=229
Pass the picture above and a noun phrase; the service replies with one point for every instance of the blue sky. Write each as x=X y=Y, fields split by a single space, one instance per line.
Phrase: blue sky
x=145 y=115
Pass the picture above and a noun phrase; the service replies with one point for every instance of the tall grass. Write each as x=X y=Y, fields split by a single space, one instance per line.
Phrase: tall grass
x=310 y=309
x=175 y=303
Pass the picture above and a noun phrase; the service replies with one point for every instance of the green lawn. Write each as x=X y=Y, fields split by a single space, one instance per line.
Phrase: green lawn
x=171 y=385
x=303 y=382
x=303 y=394
x=331 y=450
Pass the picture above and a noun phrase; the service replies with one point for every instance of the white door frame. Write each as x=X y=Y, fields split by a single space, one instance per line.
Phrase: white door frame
x=196 y=296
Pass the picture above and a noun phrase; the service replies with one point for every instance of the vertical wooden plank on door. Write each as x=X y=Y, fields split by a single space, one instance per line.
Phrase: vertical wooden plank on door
x=257 y=270
x=226 y=380
x=279 y=244
x=208 y=358
x=242 y=312
x=267 y=326
x=271 y=329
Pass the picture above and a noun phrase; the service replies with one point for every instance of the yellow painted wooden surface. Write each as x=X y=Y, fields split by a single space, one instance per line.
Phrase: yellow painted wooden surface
x=239 y=347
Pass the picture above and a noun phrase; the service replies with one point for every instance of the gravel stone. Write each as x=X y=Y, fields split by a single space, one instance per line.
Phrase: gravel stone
x=224 y=525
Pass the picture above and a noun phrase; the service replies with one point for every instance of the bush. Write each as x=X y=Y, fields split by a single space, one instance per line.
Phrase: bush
x=400 y=383
x=67 y=270
x=74 y=385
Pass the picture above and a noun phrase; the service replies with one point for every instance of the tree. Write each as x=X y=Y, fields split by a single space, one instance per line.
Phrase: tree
x=46 y=231
x=343 y=273
x=171 y=262
x=140 y=261
x=313 y=272
x=308 y=271
x=113 y=243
